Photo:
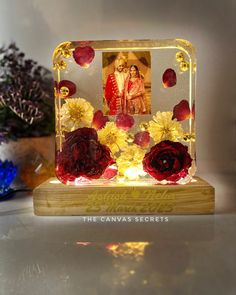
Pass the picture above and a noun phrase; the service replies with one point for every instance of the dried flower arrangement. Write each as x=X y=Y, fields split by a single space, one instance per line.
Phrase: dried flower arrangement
x=26 y=96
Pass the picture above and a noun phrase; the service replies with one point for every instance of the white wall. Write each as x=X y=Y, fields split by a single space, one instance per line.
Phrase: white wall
x=38 y=26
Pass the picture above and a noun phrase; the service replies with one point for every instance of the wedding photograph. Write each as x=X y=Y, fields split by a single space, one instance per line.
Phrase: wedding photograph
x=127 y=82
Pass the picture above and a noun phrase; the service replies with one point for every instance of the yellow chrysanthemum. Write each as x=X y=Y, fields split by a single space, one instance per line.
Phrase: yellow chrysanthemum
x=76 y=113
x=164 y=128
x=130 y=162
x=113 y=137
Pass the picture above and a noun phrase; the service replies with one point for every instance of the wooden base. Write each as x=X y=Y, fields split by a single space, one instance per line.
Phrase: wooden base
x=55 y=198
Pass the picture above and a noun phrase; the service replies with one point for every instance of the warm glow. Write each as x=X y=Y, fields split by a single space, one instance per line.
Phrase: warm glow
x=194 y=180
x=83 y=243
x=81 y=181
x=112 y=247
x=85 y=66
x=134 y=250
x=54 y=181
x=132 y=173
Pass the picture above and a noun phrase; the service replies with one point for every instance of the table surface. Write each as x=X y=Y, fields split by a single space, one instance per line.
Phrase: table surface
x=74 y=255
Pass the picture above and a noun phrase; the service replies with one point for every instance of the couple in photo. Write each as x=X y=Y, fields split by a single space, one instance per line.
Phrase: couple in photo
x=124 y=90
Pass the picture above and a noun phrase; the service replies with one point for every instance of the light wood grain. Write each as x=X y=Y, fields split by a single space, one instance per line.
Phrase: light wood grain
x=52 y=198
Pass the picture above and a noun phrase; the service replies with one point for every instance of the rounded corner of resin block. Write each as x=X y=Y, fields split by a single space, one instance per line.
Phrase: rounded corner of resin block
x=186 y=46
x=59 y=48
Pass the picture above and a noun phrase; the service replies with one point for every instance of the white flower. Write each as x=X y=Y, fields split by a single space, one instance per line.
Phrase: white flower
x=76 y=113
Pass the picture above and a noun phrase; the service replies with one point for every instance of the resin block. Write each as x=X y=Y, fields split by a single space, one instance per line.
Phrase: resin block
x=125 y=111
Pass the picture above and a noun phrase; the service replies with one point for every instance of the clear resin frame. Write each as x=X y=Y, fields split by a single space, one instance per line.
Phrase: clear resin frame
x=125 y=111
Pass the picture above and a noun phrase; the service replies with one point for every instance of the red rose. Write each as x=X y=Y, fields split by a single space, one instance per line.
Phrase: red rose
x=167 y=160
x=82 y=155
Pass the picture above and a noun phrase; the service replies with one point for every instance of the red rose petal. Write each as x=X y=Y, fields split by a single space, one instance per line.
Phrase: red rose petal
x=169 y=78
x=99 y=120
x=70 y=85
x=142 y=139
x=181 y=111
x=110 y=172
x=84 y=55
x=124 y=121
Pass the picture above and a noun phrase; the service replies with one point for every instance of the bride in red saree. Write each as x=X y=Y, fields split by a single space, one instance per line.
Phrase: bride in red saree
x=134 y=92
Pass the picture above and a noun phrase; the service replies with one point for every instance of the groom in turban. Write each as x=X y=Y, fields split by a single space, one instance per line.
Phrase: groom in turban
x=115 y=87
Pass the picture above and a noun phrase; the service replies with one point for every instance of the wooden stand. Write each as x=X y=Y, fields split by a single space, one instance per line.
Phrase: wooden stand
x=55 y=198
